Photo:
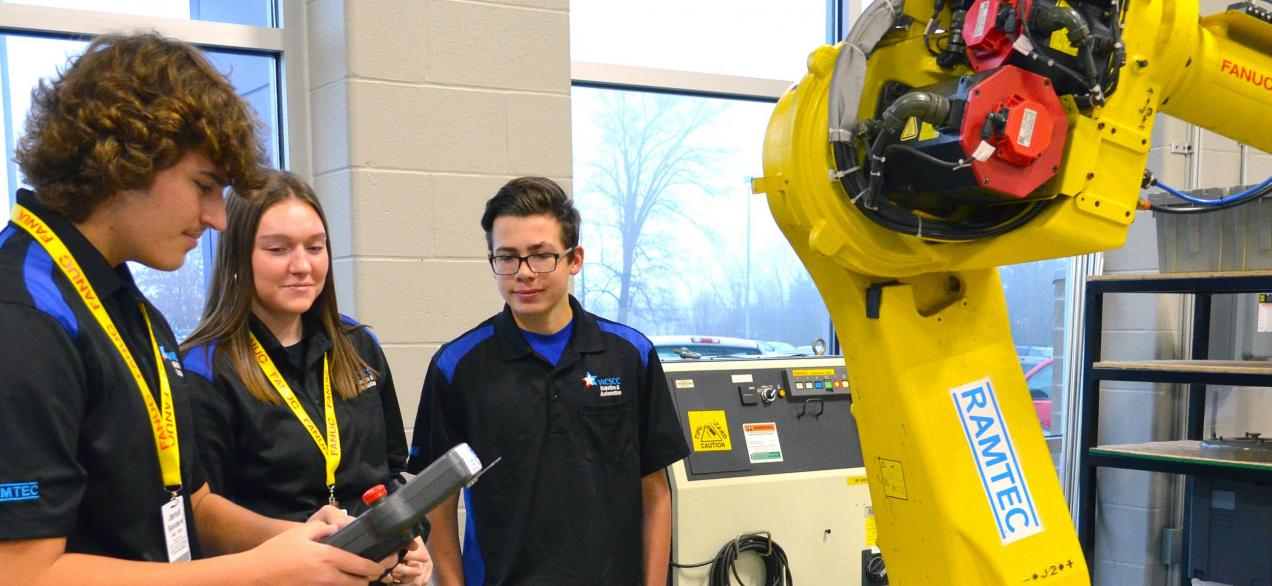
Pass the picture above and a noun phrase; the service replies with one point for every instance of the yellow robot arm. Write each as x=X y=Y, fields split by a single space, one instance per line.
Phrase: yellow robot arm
x=902 y=187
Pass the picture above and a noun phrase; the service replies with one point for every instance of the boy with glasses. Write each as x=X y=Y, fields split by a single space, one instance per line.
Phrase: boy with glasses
x=576 y=408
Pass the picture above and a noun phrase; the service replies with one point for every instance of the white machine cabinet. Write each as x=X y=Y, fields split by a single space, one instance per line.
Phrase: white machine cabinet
x=773 y=448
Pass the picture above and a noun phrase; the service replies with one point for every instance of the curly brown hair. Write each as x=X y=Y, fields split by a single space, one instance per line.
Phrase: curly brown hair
x=128 y=108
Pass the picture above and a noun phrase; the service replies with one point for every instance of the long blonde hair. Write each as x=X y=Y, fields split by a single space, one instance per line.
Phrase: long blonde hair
x=229 y=303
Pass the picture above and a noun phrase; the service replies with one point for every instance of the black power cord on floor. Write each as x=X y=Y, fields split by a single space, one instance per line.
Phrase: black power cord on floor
x=777 y=571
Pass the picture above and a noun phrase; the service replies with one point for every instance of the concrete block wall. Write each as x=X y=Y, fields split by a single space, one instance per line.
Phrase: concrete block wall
x=1132 y=506
x=420 y=111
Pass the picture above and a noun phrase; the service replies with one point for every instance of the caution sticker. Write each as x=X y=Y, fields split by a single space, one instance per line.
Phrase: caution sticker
x=762 y=444
x=1059 y=40
x=914 y=130
x=710 y=431
x=872 y=529
x=893 y=479
x=911 y=130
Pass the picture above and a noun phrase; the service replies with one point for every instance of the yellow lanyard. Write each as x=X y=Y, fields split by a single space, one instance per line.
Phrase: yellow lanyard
x=331 y=446
x=163 y=421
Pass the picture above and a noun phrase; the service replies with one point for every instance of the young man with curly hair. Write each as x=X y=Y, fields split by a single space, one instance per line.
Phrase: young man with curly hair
x=128 y=150
x=576 y=406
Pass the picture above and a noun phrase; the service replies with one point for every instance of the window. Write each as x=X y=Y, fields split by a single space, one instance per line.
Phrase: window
x=253 y=69
x=748 y=38
x=249 y=12
x=676 y=242
x=677 y=246
x=1036 y=295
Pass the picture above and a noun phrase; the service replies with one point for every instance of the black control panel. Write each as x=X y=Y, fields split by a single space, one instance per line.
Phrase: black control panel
x=821 y=381
x=764 y=416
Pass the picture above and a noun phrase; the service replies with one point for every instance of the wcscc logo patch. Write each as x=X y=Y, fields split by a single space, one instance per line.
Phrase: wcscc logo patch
x=611 y=386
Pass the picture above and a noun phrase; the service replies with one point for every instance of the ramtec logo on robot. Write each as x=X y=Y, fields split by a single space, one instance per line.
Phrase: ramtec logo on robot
x=996 y=461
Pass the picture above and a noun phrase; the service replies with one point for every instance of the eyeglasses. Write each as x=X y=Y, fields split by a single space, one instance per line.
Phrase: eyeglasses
x=539 y=262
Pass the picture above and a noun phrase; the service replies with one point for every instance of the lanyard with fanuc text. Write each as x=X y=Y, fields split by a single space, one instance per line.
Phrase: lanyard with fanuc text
x=163 y=418
x=330 y=447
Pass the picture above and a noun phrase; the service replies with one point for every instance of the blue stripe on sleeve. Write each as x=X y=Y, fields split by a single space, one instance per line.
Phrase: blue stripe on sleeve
x=450 y=357
x=474 y=564
x=631 y=336
x=37 y=269
x=199 y=360
x=353 y=322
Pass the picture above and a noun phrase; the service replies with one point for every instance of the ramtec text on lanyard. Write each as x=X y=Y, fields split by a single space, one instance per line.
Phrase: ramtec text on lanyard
x=163 y=418
x=330 y=447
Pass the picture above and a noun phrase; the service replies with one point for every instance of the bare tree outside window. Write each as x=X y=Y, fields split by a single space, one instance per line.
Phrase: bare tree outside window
x=676 y=243
x=649 y=165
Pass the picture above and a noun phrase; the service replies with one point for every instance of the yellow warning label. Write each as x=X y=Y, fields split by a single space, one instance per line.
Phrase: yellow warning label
x=893 y=479
x=1060 y=42
x=911 y=130
x=872 y=531
x=1060 y=37
x=856 y=480
x=928 y=132
x=914 y=129
x=813 y=372
x=710 y=431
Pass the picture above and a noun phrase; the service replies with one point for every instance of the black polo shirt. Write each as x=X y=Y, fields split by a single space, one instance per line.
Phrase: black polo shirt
x=259 y=456
x=79 y=455
x=564 y=504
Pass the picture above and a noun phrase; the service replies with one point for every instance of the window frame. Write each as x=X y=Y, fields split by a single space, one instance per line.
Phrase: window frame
x=286 y=43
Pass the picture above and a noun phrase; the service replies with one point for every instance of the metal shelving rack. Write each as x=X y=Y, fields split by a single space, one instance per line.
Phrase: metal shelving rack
x=1197 y=373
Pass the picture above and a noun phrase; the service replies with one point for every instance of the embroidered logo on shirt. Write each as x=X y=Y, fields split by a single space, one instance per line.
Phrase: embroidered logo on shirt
x=608 y=386
x=19 y=491
x=173 y=359
x=366 y=380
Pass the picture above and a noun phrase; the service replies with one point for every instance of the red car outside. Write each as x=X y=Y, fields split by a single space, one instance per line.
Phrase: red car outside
x=1040 y=389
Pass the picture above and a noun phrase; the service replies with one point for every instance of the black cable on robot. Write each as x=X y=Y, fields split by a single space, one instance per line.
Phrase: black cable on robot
x=887 y=214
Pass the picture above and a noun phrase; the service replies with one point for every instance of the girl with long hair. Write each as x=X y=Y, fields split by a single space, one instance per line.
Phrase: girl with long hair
x=299 y=410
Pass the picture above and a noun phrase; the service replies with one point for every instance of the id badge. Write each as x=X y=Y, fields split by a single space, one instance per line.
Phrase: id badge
x=174 y=529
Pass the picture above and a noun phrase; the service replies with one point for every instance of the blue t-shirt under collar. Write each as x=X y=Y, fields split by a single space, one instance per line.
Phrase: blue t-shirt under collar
x=550 y=346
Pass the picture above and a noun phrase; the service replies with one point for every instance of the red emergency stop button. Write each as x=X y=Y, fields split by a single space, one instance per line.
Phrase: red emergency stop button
x=374 y=494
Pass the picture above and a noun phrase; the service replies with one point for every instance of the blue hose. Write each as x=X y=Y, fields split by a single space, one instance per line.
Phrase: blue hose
x=1256 y=191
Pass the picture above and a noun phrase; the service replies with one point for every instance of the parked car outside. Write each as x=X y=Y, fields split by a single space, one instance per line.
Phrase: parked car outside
x=779 y=348
x=1031 y=356
x=697 y=347
x=1039 y=381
